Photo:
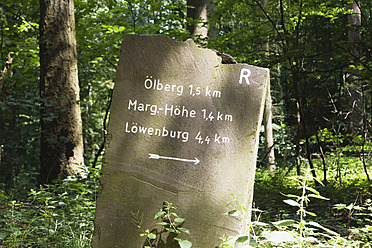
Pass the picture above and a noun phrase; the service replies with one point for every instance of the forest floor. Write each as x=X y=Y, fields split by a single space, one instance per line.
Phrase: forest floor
x=62 y=215
x=344 y=205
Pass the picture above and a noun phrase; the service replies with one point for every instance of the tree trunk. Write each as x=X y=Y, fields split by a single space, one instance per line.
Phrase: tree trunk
x=61 y=125
x=269 y=141
x=198 y=9
x=356 y=100
x=212 y=27
x=302 y=124
x=267 y=121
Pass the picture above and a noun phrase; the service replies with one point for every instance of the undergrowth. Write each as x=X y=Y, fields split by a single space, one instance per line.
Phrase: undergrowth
x=289 y=211
x=347 y=210
x=59 y=215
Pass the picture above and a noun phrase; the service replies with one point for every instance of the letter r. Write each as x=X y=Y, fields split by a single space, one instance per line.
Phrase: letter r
x=244 y=73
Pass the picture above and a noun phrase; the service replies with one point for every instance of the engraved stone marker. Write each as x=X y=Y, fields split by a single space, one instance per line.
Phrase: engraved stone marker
x=184 y=129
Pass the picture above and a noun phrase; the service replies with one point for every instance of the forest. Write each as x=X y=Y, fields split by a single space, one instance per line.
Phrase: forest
x=58 y=62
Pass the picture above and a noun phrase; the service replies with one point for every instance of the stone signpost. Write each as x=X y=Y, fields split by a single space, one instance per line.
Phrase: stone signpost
x=183 y=128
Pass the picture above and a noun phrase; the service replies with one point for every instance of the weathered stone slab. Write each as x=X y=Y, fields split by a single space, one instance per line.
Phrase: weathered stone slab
x=183 y=128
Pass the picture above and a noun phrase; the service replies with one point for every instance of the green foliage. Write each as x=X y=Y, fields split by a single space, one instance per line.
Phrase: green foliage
x=19 y=101
x=302 y=42
x=290 y=232
x=170 y=226
x=306 y=234
x=344 y=155
x=362 y=216
x=59 y=215
x=273 y=190
x=285 y=150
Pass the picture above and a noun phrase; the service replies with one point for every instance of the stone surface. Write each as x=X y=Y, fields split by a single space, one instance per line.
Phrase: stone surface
x=175 y=104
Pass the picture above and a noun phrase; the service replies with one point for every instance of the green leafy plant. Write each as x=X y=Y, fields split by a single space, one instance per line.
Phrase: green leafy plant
x=171 y=225
x=305 y=229
x=286 y=232
x=359 y=220
x=59 y=215
x=255 y=227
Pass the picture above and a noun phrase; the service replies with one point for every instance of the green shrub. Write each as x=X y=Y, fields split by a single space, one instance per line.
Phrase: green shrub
x=59 y=215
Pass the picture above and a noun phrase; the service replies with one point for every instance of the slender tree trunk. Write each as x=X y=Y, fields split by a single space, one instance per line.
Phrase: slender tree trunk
x=365 y=139
x=61 y=125
x=297 y=140
x=323 y=159
x=198 y=9
x=302 y=125
x=269 y=141
x=265 y=47
x=356 y=100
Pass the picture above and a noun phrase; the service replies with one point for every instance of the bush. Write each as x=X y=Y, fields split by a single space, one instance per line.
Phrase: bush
x=59 y=215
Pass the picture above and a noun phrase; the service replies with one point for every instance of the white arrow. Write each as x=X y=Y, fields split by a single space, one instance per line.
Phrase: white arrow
x=156 y=156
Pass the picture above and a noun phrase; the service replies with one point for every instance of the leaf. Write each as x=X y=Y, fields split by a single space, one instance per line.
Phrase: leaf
x=318 y=196
x=174 y=214
x=310 y=213
x=184 y=230
x=242 y=239
x=312 y=190
x=322 y=227
x=278 y=237
x=151 y=236
x=339 y=206
x=284 y=223
x=184 y=243
x=318 y=180
x=162 y=223
x=258 y=223
x=172 y=230
x=296 y=178
x=179 y=220
x=292 y=203
x=256 y=210
x=233 y=213
x=290 y=195
x=158 y=214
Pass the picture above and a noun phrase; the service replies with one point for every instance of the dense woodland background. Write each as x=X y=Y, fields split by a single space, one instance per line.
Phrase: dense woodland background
x=319 y=56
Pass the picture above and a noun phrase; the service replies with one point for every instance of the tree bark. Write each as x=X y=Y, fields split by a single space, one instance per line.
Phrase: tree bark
x=198 y=9
x=61 y=124
x=356 y=100
x=267 y=121
x=212 y=27
x=269 y=141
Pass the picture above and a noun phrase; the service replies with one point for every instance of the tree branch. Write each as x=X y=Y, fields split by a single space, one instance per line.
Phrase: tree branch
x=267 y=16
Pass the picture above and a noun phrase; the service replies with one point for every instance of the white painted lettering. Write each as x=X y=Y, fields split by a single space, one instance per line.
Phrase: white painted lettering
x=244 y=73
x=161 y=132
x=155 y=84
